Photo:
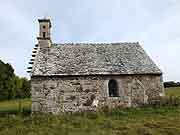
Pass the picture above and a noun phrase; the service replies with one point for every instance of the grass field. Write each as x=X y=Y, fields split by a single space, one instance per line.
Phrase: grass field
x=144 y=121
x=15 y=105
x=174 y=91
x=139 y=121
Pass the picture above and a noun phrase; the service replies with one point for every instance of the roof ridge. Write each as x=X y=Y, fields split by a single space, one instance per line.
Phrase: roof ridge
x=94 y=43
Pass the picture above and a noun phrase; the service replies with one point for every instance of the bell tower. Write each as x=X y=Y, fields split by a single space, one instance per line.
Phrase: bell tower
x=44 y=38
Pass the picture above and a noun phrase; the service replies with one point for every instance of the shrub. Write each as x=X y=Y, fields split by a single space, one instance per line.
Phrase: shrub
x=171 y=84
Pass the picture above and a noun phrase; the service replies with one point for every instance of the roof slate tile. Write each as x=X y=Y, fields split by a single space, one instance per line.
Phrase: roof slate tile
x=93 y=59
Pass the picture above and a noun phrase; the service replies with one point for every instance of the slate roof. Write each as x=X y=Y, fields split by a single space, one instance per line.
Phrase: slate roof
x=93 y=59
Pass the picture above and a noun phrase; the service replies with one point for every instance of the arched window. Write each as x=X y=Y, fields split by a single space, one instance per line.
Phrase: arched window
x=113 y=88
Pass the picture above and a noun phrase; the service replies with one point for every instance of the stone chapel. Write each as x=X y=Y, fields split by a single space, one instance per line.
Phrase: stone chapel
x=72 y=77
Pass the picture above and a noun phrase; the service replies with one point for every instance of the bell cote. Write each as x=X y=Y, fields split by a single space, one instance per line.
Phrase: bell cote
x=44 y=38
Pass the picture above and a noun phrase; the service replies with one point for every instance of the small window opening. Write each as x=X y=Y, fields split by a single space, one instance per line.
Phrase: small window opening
x=44 y=34
x=44 y=26
x=113 y=88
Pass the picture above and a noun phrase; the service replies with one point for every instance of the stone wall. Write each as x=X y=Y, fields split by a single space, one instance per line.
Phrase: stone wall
x=81 y=93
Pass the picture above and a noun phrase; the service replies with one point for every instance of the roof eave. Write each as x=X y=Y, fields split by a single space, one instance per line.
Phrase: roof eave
x=70 y=75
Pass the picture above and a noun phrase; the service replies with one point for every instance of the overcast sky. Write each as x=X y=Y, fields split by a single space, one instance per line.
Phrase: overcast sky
x=154 y=23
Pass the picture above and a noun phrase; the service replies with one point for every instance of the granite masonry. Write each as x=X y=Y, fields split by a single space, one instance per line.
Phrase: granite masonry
x=85 y=77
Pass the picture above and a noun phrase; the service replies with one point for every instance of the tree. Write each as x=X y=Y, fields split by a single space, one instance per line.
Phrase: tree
x=6 y=80
x=12 y=86
x=23 y=88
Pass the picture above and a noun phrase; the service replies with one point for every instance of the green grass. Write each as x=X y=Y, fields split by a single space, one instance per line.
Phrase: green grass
x=144 y=121
x=132 y=121
x=173 y=91
x=15 y=105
